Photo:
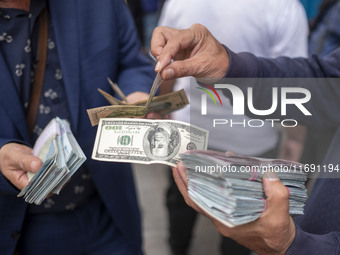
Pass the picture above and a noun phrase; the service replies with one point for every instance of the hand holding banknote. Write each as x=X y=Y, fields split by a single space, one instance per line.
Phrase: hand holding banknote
x=15 y=161
x=272 y=233
x=61 y=156
x=138 y=104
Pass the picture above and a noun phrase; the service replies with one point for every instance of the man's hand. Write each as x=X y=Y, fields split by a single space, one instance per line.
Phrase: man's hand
x=139 y=96
x=271 y=234
x=194 y=52
x=15 y=161
x=134 y=97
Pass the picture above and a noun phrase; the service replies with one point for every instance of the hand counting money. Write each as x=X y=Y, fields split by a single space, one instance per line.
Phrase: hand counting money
x=163 y=104
x=61 y=156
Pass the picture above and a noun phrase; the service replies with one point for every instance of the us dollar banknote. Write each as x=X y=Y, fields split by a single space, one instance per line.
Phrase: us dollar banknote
x=146 y=141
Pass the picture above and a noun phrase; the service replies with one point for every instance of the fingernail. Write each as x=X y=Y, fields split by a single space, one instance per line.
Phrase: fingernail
x=271 y=176
x=34 y=165
x=169 y=73
x=157 y=66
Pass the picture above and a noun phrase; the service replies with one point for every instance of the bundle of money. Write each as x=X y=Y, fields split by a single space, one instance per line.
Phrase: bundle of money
x=146 y=141
x=61 y=156
x=229 y=187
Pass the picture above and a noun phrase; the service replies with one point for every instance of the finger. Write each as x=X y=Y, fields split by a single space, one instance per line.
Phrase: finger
x=28 y=163
x=136 y=96
x=158 y=40
x=19 y=157
x=230 y=153
x=176 y=43
x=182 y=171
x=277 y=215
x=182 y=184
x=154 y=115
x=18 y=178
x=180 y=68
x=277 y=194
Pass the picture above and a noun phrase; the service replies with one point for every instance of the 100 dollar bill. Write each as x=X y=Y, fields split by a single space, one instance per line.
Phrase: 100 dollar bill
x=146 y=141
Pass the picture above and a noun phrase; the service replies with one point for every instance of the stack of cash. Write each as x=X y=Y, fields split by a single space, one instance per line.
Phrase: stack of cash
x=229 y=187
x=61 y=156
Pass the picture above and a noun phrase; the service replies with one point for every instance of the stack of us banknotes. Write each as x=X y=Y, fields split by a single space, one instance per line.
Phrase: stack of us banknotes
x=229 y=187
x=61 y=156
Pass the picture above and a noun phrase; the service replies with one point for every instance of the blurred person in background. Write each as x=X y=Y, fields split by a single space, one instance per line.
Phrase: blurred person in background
x=151 y=11
x=323 y=39
x=137 y=12
x=311 y=7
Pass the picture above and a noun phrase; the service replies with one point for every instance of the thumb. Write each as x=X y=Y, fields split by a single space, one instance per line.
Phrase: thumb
x=30 y=163
x=277 y=195
x=183 y=173
x=179 y=68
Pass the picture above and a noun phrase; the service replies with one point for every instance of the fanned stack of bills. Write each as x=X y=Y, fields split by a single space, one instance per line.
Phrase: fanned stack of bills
x=229 y=187
x=61 y=156
x=163 y=105
x=146 y=141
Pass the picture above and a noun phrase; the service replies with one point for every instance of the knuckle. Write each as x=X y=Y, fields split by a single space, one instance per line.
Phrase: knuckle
x=199 y=26
x=25 y=163
x=22 y=163
x=177 y=45
x=183 y=69
x=282 y=193
x=157 y=30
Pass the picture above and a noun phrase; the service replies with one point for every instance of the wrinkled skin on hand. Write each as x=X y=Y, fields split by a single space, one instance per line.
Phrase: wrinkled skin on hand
x=188 y=52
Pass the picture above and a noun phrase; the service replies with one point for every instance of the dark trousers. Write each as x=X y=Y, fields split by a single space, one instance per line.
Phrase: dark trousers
x=86 y=230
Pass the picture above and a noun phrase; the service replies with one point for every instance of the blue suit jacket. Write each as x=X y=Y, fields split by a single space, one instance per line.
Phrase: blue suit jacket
x=95 y=40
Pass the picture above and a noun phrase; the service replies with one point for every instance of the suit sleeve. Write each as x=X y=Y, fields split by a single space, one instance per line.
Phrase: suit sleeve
x=325 y=93
x=309 y=244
